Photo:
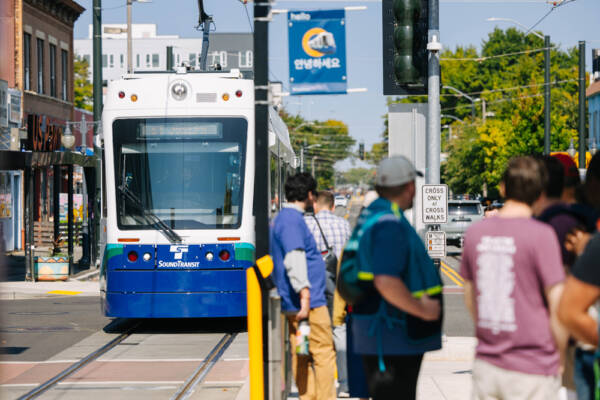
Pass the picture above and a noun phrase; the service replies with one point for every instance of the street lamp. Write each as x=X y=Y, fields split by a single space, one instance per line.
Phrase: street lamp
x=452 y=117
x=302 y=150
x=494 y=19
x=546 y=39
x=67 y=139
x=128 y=31
x=466 y=96
x=571 y=150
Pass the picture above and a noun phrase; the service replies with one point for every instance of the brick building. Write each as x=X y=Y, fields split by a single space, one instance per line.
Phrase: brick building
x=36 y=56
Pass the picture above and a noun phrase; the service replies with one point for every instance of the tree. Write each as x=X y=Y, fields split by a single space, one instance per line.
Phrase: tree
x=512 y=88
x=82 y=86
x=357 y=176
x=331 y=136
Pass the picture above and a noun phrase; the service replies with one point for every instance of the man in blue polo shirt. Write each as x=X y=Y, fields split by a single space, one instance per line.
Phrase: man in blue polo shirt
x=399 y=321
x=299 y=274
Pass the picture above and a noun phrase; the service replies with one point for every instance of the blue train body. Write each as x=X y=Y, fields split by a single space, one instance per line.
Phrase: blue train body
x=175 y=280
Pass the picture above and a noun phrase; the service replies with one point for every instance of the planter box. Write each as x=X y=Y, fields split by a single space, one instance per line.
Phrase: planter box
x=51 y=268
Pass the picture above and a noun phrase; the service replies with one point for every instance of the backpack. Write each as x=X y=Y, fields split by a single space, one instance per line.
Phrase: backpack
x=355 y=285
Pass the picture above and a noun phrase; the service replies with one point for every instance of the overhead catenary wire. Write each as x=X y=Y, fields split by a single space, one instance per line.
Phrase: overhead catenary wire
x=562 y=3
x=488 y=91
x=484 y=58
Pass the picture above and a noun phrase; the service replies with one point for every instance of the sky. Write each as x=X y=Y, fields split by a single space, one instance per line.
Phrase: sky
x=462 y=22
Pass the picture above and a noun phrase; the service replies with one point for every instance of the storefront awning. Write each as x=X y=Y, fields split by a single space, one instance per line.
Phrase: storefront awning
x=16 y=160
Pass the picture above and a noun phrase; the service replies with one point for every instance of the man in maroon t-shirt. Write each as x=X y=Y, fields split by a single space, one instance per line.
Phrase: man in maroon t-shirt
x=513 y=281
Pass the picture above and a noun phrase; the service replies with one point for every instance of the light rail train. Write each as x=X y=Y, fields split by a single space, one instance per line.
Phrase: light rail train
x=179 y=187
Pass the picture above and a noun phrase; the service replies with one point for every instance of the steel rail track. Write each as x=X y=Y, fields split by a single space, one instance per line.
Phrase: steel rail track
x=44 y=387
x=204 y=368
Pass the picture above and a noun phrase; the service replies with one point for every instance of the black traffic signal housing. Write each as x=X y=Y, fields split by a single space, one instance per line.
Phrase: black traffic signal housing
x=405 y=30
x=361 y=151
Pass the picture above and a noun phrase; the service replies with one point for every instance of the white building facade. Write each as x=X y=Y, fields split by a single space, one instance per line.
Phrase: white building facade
x=149 y=50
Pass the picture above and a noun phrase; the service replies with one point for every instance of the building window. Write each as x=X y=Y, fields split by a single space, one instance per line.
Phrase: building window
x=245 y=58
x=192 y=59
x=137 y=60
x=112 y=61
x=86 y=57
x=178 y=60
x=64 y=61
x=155 y=60
x=40 y=66
x=104 y=61
x=147 y=60
x=122 y=60
x=52 y=70
x=27 y=60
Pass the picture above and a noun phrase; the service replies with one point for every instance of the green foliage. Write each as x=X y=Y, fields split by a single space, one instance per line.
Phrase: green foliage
x=514 y=125
x=357 y=176
x=82 y=85
x=324 y=141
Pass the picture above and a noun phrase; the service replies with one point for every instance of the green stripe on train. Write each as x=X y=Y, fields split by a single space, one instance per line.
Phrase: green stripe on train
x=245 y=252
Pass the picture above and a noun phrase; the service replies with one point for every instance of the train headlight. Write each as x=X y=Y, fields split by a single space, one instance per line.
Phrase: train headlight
x=225 y=96
x=209 y=256
x=147 y=256
x=179 y=91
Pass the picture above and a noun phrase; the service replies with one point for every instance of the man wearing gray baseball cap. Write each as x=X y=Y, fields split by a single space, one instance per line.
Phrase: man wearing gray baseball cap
x=401 y=318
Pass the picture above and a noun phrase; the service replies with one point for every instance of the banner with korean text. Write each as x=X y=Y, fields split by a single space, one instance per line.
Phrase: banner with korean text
x=317 y=52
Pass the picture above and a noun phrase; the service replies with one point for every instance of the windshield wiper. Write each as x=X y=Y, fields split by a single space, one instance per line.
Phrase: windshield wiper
x=150 y=216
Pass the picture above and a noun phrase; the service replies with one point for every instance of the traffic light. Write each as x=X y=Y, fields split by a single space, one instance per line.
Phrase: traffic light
x=405 y=26
x=361 y=151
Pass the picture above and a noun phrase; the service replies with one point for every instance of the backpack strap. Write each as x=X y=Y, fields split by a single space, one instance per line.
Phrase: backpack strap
x=321 y=230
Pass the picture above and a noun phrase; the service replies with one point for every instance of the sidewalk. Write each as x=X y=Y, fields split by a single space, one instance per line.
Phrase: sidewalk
x=14 y=287
x=445 y=374
x=30 y=290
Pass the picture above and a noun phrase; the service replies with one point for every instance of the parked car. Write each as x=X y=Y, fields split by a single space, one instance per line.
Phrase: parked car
x=461 y=214
x=340 y=201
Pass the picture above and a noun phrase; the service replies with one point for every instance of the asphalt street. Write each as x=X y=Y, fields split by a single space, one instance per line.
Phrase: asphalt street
x=37 y=329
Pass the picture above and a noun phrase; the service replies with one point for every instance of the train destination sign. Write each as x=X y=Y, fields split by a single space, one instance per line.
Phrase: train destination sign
x=435 y=204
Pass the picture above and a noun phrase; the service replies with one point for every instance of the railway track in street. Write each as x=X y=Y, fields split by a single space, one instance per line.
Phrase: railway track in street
x=44 y=387
x=204 y=368
x=84 y=372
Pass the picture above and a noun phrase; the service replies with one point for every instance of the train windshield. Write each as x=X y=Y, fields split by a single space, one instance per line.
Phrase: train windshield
x=186 y=173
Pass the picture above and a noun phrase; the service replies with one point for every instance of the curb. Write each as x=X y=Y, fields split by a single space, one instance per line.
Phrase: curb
x=244 y=393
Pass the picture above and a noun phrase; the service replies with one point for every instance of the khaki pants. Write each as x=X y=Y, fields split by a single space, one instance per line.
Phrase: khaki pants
x=492 y=382
x=314 y=374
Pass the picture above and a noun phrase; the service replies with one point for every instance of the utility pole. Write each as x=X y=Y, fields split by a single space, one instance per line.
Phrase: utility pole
x=483 y=109
x=581 y=104
x=302 y=159
x=129 y=52
x=262 y=10
x=97 y=94
x=432 y=173
x=547 y=95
